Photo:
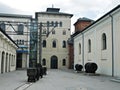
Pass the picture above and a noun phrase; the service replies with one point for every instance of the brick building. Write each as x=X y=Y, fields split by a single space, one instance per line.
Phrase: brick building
x=80 y=25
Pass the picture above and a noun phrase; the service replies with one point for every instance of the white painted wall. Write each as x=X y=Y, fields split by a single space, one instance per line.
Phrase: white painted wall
x=103 y=58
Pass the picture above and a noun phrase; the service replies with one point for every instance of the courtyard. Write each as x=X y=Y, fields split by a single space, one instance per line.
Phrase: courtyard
x=57 y=80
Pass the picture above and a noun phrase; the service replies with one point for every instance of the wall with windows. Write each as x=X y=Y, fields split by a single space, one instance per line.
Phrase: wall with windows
x=18 y=28
x=99 y=43
x=7 y=54
x=55 y=47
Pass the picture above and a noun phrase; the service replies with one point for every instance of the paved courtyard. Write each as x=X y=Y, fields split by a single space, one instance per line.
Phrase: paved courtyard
x=57 y=80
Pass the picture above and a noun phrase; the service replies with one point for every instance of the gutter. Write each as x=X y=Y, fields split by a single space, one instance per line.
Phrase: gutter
x=83 y=48
x=112 y=34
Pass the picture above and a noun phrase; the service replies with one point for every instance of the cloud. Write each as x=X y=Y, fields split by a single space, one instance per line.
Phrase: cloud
x=9 y=10
x=92 y=9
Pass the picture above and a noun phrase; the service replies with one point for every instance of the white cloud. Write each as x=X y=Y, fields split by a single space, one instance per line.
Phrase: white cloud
x=92 y=9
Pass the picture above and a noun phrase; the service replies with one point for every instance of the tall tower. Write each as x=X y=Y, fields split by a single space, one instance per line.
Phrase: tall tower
x=54 y=47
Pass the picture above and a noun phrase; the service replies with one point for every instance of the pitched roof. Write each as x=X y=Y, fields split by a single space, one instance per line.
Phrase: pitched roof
x=8 y=36
x=83 y=19
x=117 y=7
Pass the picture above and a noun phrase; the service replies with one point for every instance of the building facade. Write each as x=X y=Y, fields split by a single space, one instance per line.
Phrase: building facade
x=7 y=53
x=54 y=47
x=100 y=43
x=80 y=25
x=18 y=28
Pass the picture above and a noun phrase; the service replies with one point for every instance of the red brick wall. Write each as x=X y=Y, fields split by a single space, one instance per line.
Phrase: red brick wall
x=71 y=56
x=79 y=26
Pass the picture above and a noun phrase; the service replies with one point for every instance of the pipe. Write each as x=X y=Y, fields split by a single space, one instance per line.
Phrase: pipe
x=112 y=45
x=83 y=48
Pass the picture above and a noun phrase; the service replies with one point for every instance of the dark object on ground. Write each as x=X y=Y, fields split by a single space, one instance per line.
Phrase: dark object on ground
x=44 y=70
x=32 y=74
x=78 y=67
x=40 y=69
x=90 y=67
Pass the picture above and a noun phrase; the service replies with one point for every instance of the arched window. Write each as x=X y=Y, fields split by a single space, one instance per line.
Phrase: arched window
x=44 y=62
x=54 y=44
x=104 y=41
x=79 y=48
x=60 y=24
x=48 y=23
x=64 y=62
x=64 y=44
x=44 y=43
x=89 y=45
x=52 y=23
x=2 y=26
x=20 y=29
x=56 y=24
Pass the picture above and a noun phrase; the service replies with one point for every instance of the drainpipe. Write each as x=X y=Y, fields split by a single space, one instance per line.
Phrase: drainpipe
x=83 y=48
x=112 y=45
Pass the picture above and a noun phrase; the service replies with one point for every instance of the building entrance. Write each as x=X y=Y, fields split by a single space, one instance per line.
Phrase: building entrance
x=19 y=60
x=54 y=62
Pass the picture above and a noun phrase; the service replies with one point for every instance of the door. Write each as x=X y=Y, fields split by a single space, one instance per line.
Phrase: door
x=19 y=60
x=54 y=62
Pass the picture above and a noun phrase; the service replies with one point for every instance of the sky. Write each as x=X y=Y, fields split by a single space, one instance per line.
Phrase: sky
x=92 y=9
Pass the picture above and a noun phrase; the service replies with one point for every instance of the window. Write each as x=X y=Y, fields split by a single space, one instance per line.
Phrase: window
x=104 y=41
x=64 y=32
x=64 y=44
x=53 y=32
x=44 y=31
x=20 y=29
x=56 y=24
x=60 y=24
x=64 y=62
x=44 y=43
x=44 y=62
x=79 y=48
x=22 y=42
x=52 y=23
x=54 y=44
x=48 y=23
x=89 y=45
x=2 y=26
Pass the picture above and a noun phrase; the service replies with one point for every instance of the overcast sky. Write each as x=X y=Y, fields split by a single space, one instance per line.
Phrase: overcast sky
x=92 y=9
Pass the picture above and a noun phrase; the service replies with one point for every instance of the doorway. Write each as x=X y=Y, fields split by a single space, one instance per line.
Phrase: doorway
x=2 y=62
x=19 y=60
x=54 y=62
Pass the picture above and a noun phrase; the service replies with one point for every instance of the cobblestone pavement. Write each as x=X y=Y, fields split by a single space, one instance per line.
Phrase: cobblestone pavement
x=57 y=80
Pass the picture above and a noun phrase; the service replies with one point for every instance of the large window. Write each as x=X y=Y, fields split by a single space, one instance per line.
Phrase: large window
x=54 y=44
x=89 y=45
x=104 y=41
x=44 y=43
x=20 y=29
x=64 y=44
x=64 y=62
x=44 y=62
